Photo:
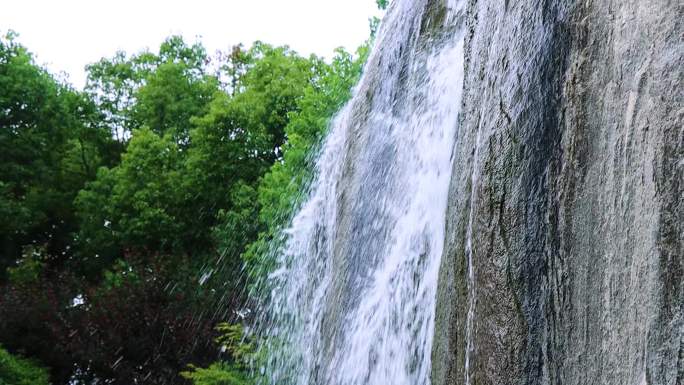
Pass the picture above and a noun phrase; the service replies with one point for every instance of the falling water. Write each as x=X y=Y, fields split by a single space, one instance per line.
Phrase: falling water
x=353 y=296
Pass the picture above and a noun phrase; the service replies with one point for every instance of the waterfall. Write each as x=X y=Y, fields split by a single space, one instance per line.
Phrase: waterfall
x=352 y=299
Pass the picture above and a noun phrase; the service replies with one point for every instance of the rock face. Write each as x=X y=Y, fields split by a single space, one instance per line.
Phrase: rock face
x=564 y=261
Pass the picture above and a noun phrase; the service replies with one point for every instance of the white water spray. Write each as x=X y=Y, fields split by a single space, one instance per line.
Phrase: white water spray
x=353 y=299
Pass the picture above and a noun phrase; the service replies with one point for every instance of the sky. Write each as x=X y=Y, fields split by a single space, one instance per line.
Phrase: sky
x=65 y=35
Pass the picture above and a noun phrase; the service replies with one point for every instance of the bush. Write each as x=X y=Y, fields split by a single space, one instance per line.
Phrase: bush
x=216 y=374
x=239 y=353
x=20 y=371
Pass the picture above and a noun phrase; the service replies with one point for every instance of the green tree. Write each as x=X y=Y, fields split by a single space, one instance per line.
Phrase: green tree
x=170 y=97
x=234 y=368
x=134 y=205
x=282 y=188
x=241 y=135
x=159 y=90
x=51 y=143
x=169 y=168
x=19 y=371
x=199 y=153
x=216 y=374
x=272 y=87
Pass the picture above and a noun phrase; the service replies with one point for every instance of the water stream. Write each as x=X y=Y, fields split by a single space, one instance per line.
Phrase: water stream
x=353 y=298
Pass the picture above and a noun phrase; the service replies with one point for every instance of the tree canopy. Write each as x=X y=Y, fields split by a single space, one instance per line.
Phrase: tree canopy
x=132 y=209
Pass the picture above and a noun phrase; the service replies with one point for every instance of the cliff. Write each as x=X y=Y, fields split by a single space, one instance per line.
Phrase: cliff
x=565 y=225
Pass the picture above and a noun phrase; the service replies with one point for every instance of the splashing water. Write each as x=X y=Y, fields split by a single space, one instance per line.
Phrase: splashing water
x=353 y=297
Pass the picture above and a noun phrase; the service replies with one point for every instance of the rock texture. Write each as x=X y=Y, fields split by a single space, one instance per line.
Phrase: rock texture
x=567 y=195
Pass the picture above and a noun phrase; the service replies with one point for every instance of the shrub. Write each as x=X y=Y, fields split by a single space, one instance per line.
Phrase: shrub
x=19 y=371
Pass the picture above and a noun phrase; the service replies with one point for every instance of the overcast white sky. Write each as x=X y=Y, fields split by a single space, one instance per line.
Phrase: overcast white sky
x=68 y=34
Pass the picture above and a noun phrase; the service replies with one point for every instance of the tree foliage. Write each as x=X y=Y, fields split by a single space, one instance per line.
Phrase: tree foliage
x=51 y=142
x=235 y=369
x=132 y=210
x=19 y=371
x=284 y=185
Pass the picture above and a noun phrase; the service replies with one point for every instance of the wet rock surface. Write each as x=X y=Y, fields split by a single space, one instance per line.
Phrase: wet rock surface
x=567 y=195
